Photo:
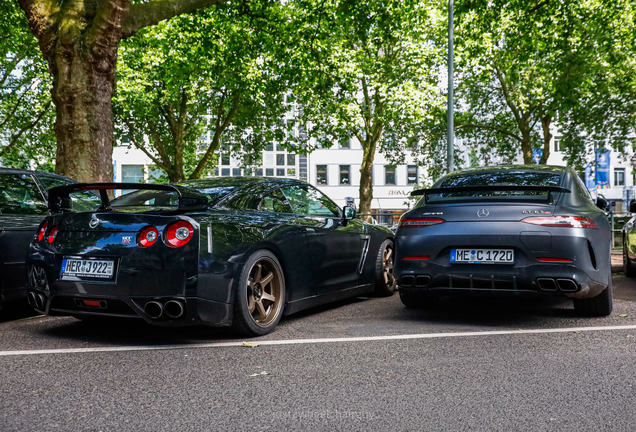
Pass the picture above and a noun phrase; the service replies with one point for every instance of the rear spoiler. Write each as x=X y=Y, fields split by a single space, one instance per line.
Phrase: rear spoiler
x=60 y=200
x=548 y=189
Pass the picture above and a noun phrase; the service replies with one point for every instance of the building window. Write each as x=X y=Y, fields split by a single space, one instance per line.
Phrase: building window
x=225 y=159
x=269 y=159
x=291 y=160
x=280 y=172
x=344 y=174
x=411 y=174
x=321 y=174
x=345 y=143
x=236 y=172
x=280 y=160
x=291 y=172
x=619 y=176
x=259 y=172
x=269 y=172
x=389 y=175
x=557 y=144
x=132 y=173
x=225 y=172
x=270 y=147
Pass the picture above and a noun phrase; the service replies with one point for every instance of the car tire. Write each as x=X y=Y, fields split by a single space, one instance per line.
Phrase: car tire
x=598 y=306
x=384 y=283
x=259 y=297
x=628 y=267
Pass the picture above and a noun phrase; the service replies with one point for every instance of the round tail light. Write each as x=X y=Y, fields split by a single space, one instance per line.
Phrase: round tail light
x=42 y=230
x=179 y=233
x=52 y=235
x=147 y=236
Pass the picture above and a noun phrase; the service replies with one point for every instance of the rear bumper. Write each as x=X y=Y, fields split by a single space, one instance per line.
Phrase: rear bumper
x=539 y=279
x=197 y=311
x=586 y=275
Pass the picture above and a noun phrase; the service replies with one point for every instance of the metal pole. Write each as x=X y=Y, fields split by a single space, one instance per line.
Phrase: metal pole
x=450 y=147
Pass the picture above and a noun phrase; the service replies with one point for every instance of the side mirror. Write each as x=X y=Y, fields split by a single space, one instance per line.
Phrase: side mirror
x=632 y=206
x=348 y=212
x=602 y=203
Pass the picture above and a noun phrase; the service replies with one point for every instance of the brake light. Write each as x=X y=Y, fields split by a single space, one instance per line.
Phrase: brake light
x=147 y=236
x=420 y=222
x=416 y=258
x=179 y=233
x=42 y=230
x=556 y=260
x=52 y=235
x=561 y=221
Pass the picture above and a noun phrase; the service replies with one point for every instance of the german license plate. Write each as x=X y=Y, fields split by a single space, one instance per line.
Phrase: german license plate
x=92 y=268
x=482 y=256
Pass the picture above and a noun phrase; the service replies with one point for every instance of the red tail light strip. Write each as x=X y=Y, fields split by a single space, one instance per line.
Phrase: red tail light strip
x=556 y=260
x=420 y=222
x=416 y=258
x=52 y=235
x=561 y=221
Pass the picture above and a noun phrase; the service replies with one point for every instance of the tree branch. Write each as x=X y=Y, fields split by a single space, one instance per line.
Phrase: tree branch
x=16 y=137
x=147 y=14
x=493 y=128
x=43 y=16
x=106 y=29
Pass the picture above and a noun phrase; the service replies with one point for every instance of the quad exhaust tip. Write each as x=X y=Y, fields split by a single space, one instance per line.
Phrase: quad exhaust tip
x=154 y=309
x=172 y=309
x=564 y=285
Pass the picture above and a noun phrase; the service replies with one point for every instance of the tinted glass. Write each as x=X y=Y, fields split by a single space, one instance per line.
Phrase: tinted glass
x=216 y=193
x=20 y=195
x=147 y=198
x=51 y=182
x=309 y=201
x=275 y=202
x=497 y=178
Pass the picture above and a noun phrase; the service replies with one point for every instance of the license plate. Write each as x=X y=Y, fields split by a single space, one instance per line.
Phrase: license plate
x=482 y=256
x=102 y=269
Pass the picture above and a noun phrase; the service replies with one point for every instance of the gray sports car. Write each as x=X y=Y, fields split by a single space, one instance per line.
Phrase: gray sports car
x=513 y=230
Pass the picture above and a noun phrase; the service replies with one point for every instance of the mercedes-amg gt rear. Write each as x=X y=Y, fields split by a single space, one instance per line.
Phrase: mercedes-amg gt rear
x=519 y=230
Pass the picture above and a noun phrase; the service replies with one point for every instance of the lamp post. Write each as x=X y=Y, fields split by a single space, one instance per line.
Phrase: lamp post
x=450 y=146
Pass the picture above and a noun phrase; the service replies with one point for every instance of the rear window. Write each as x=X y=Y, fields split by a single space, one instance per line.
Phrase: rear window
x=498 y=178
x=20 y=195
x=216 y=194
x=150 y=198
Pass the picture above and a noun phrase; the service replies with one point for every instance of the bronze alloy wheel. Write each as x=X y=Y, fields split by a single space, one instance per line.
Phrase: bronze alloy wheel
x=264 y=291
x=387 y=266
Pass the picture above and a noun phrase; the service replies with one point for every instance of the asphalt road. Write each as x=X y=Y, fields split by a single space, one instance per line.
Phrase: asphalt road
x=472 y=364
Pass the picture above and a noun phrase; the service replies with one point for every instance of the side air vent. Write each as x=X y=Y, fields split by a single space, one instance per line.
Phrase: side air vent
x=591 y=251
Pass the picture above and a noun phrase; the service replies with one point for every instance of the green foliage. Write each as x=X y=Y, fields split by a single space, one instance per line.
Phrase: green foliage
x=521 y=64
x=200 y=72
x=26 y=113
x=364 y=69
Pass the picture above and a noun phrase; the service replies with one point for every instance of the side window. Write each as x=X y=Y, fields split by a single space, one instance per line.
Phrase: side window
x=309 y=201
x=20 y=195
x=275 y=202
x=51 y=182
x=243 y=201
x=582 y=189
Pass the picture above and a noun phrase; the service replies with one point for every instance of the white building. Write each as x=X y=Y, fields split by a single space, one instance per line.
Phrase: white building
x=336 y=172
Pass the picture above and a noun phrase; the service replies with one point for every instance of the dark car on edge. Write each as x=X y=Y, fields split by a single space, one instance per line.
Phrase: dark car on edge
x=23 y=197
x=629 y=244
x=506 y=230
x=226 y=251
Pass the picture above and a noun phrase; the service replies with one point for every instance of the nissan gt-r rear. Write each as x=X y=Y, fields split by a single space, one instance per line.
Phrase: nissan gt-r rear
x=517 y=230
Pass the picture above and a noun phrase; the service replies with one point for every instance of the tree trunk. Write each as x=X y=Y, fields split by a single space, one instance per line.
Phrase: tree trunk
x=547 y=137
x=83 y=87
x=366 y=179
x=526 y=147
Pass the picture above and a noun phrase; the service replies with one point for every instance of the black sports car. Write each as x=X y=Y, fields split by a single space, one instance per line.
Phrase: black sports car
x=515 y=229
x=226 y=251
x=23 y=197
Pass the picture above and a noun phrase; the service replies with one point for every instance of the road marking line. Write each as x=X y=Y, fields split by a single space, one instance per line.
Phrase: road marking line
x=314 y=341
